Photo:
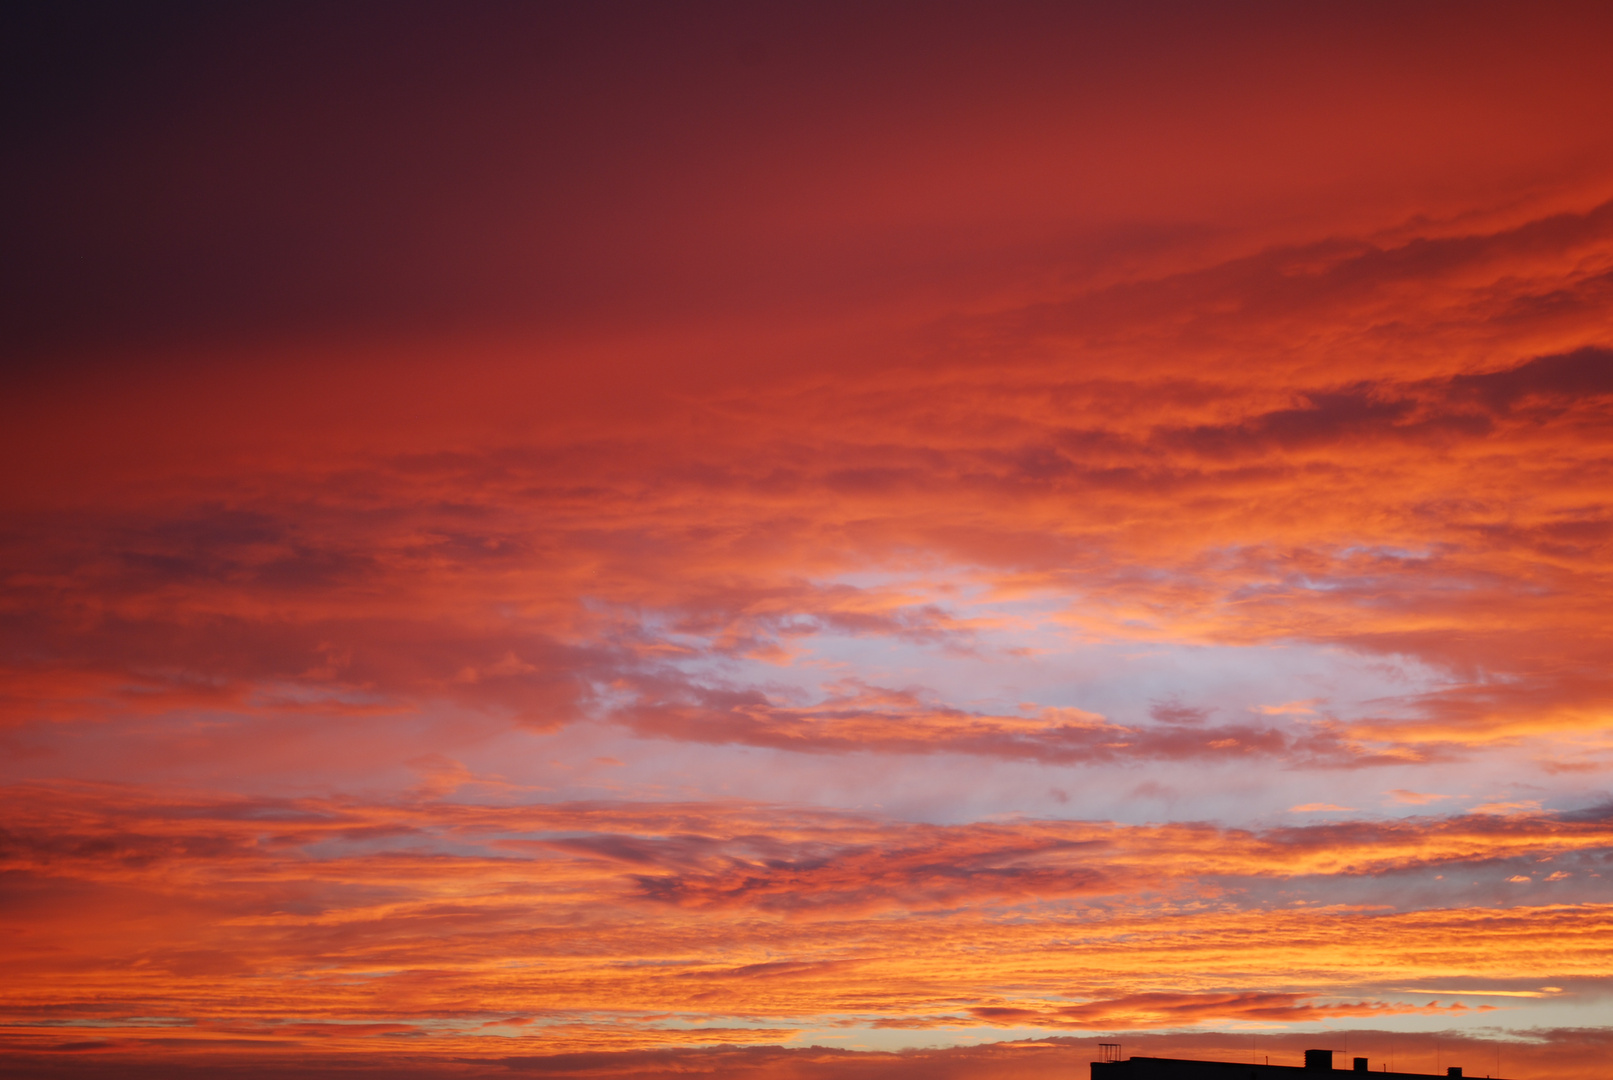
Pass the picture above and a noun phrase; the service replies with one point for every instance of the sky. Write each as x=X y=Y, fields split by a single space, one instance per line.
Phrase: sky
x=805 y=540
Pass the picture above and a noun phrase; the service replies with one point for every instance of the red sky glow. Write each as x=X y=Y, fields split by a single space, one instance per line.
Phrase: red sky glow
x=805 y=541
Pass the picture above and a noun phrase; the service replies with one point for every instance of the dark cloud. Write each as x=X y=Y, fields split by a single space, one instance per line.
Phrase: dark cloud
x=1551 y=382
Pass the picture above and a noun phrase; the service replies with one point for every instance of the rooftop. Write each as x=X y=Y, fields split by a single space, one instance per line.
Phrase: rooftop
x=1316 y=1061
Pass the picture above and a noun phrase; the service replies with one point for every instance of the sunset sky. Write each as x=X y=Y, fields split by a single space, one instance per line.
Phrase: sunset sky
x=805 y=540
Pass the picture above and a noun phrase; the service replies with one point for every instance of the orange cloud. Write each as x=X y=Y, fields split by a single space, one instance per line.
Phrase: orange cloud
x=627 y=545
x=251 y=917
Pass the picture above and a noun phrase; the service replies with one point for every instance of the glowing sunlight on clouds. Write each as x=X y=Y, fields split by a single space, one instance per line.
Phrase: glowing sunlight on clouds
x=807 y=543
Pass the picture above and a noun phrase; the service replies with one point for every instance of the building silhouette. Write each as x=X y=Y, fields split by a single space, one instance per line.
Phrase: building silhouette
x=1316 y=1061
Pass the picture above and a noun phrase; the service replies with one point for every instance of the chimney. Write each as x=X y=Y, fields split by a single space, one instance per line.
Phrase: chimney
x=1454 y=1070
x=1360 y=1064
x=1319 y=1059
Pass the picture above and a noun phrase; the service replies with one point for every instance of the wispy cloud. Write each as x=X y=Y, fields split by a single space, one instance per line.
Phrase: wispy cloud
x=425 y=912
x=631 y=545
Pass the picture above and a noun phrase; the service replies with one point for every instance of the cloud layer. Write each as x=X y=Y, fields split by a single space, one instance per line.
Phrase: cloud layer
x=790 y=543
x=581 y=926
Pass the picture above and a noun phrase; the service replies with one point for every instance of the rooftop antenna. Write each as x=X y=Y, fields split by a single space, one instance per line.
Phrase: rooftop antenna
x=1108 y=1051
